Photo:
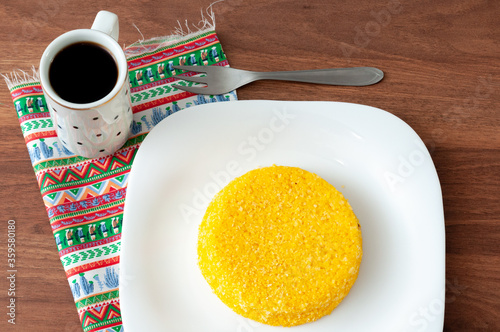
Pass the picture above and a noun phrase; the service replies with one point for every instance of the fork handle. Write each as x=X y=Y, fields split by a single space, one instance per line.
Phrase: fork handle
x=355 y=76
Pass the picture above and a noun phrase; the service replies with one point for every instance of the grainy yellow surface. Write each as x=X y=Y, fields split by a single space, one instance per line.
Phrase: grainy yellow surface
x=280 y=245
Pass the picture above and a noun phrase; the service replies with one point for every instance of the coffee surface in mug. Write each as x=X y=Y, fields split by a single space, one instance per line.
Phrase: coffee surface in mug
x=83 y=72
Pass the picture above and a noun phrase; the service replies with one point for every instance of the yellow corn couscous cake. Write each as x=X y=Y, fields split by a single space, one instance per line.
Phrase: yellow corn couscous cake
x=280 y=245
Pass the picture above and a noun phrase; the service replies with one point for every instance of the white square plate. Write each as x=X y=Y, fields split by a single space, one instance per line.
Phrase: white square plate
x=375 y=159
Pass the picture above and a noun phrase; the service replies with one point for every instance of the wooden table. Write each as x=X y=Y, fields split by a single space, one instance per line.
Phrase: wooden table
x=441 y=60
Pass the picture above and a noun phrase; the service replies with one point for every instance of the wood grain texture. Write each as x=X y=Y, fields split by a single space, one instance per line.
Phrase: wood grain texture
x=441 y=60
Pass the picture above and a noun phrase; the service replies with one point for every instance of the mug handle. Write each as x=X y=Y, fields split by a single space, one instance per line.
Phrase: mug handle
x=106 y=22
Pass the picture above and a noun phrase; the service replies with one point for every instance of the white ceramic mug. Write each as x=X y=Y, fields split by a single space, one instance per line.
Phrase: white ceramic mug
x=97 y=128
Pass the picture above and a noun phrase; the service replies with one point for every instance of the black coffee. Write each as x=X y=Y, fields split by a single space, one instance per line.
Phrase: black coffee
x=83 y=72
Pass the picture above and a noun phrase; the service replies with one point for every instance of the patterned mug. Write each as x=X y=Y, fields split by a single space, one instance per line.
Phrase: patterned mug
x=98 y=128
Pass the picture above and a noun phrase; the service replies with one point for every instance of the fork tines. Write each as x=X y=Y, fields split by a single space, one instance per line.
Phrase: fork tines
x=198 y=69
x=196 y=79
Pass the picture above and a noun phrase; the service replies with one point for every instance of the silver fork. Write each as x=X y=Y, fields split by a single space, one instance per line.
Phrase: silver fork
x=221 y=80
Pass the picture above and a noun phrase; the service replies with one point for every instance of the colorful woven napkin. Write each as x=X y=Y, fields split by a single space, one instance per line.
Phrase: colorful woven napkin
x=84 y=198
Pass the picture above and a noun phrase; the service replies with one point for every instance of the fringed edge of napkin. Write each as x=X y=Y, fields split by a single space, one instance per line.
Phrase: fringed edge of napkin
x=181 y=33
x=19 y=77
